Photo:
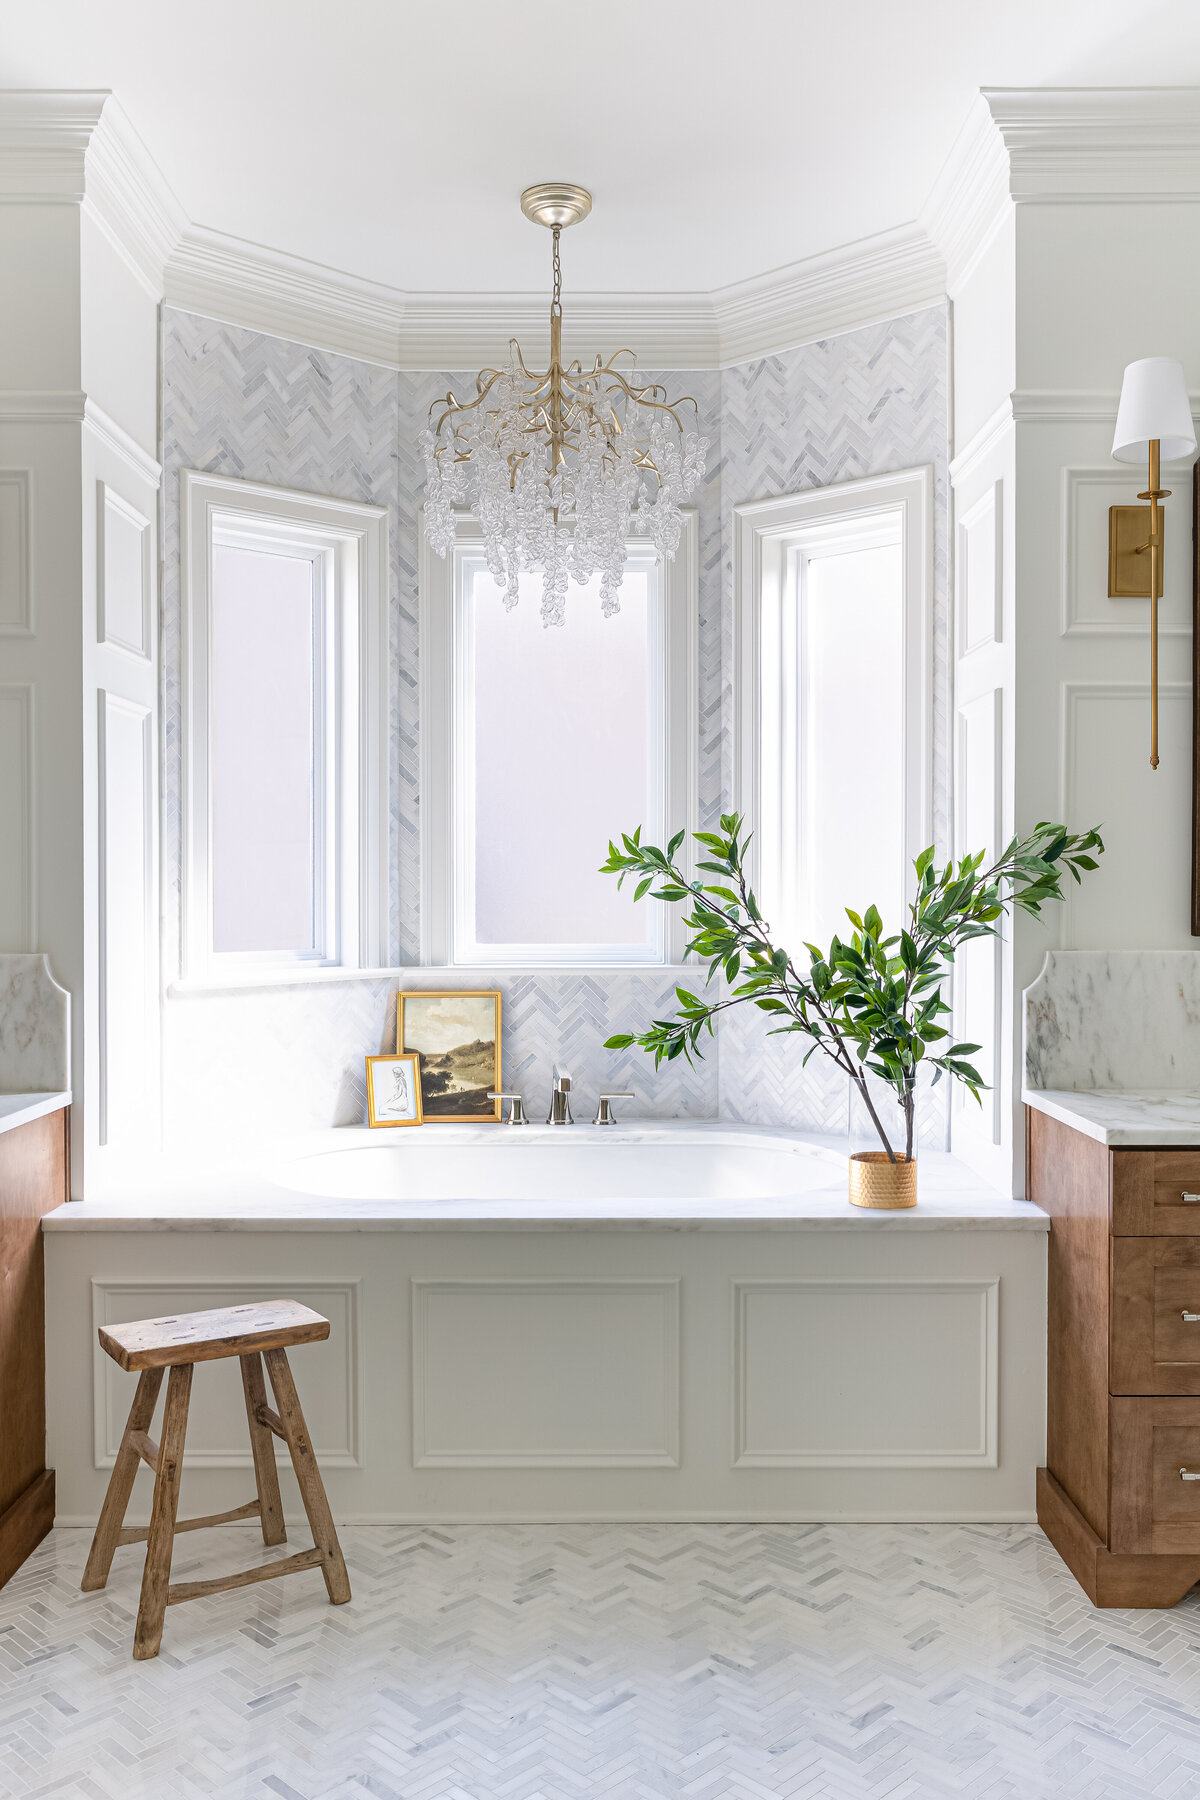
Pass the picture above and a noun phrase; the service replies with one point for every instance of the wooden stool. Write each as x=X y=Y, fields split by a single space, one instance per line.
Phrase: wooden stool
x=252 y=1333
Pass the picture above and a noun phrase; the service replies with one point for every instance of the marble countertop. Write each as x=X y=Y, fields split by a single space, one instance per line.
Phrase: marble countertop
x=247 y=1193
x=19 y=1109
x=1123 y=1118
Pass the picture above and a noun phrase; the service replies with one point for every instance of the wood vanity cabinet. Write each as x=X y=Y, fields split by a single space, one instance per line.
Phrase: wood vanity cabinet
x=34 y=1179
x=1117 y=1497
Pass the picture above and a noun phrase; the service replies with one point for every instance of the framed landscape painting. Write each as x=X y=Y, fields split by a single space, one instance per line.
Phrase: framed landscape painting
x=457 y=1039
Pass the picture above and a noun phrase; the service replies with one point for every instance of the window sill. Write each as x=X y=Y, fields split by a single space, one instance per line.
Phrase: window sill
x=420 y=974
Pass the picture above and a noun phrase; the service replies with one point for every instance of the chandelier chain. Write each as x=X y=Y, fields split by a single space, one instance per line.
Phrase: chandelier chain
x=556 y=301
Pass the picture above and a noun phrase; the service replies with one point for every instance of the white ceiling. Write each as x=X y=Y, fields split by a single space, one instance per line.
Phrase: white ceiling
x=721 y=138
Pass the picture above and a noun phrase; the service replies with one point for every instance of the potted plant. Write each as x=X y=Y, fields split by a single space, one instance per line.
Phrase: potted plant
x=872 y=1002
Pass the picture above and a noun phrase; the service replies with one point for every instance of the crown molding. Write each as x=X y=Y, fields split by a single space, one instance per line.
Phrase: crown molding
x=248 y=285
x=877 y=278
x=79 y=149
x=1056 y=146
x=971 y=199
x=1106 y=145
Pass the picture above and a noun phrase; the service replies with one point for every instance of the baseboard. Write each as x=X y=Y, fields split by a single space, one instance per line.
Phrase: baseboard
x=1024 y=1516
x=25 y=1523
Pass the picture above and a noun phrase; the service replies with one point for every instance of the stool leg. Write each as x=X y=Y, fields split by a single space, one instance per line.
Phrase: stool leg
x=262 y=1444
x=312 y=1488
x=156 y=1576
x=120 y=1483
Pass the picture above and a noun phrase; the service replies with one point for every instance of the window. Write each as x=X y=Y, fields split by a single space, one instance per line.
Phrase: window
x=541 y=744
x=284 y=829
x=834 y=601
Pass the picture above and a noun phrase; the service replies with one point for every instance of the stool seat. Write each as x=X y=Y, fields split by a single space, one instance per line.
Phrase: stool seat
x=207 y=1336
x=259 y=1335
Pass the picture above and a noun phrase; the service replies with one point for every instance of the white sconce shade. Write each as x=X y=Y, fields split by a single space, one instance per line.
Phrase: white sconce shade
x=1154 y=404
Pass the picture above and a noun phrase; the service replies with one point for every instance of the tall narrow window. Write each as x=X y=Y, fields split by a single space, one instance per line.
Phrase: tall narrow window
x=541 y=745
x=283 y=846
x=834 y=596
x=270 y=719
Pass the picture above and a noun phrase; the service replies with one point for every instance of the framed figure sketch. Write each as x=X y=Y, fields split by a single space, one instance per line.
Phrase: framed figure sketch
x=393 y=1090
x=457 y=1038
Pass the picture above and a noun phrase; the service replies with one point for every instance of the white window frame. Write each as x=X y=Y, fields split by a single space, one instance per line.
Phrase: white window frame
x=347 y=544
x=772 y=539
x=447 y=750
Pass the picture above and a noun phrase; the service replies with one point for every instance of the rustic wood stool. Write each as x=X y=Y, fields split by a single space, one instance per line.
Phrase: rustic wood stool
x=254 y=1334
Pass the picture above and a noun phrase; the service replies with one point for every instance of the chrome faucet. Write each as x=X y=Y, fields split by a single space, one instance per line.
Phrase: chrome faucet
x=560 y=1105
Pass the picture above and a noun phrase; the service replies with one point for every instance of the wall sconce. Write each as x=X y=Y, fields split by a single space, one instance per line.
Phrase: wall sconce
x=1154 y=419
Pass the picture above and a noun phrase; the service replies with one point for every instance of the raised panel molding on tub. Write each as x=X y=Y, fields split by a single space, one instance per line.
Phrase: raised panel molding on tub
x=329 y=1375
x=863 y=1374
x=546 y=1373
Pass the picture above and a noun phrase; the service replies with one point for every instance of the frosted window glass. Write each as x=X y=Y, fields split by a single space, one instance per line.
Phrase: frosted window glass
x=263 y=838
x=853 y=738
x=563 y=761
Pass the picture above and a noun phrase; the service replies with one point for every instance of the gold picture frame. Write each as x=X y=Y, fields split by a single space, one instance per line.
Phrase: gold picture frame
x=403 y=1105
x=456 y=1076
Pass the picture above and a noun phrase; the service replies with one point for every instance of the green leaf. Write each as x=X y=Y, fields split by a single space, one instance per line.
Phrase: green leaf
x=621 y=1041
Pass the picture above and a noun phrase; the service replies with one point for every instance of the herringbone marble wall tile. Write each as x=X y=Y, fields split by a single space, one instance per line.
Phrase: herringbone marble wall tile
x=239 y=403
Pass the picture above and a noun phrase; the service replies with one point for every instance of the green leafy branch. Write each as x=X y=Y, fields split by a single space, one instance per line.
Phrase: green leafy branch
x=872 y=1003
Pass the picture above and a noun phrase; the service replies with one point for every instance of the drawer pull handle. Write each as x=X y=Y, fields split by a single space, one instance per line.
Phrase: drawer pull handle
x=1189 y=1474
x=1190 y=1318
x=1191 y=1199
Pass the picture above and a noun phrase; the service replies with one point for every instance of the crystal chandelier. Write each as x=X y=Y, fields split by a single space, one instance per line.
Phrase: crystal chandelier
x=559 y=466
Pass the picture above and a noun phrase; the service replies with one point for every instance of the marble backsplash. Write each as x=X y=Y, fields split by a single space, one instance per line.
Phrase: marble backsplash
x=1114 y=1019
x=35 y=1027
x=287 y=1059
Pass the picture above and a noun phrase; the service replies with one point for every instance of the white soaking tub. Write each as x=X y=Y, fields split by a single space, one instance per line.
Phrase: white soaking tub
x=563 y=1165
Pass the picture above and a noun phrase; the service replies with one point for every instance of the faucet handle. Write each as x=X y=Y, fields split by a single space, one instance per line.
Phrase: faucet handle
x=516 y=1108
x=604 y=1112
x=561 y=1082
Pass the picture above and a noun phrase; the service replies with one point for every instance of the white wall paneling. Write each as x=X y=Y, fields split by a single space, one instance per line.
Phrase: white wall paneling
x=331 y=1379
x=592 y=1372
x=979 y=572
x=18 y=813
x=809 y=1356
x=979 y=966
x=127 y=989
x=1087 y=610
x=123 y=575
x=1135 y=899
x=16 y=579
x=546 y=1373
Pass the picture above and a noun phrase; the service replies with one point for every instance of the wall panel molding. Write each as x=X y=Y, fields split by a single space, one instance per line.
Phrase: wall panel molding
x=546 y=1372
x=123 y=575
x=979 y=571
x=126 y=974
x=916 y=1363
x=332 y=1391
x=16 y=539
x=18 y=818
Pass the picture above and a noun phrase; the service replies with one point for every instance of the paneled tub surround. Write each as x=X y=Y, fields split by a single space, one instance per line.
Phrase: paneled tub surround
x=1112 y=1045
x=663 y=1321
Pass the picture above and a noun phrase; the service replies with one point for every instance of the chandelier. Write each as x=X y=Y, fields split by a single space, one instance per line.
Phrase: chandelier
x=559 y=466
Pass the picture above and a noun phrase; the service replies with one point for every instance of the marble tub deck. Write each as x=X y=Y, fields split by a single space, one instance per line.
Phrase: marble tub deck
x=604 y=1662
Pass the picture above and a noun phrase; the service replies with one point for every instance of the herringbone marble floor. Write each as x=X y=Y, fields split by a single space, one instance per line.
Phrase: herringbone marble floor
x=633 y=1662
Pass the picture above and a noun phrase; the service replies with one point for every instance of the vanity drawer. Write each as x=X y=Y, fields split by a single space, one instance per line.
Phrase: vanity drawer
x=1154 y=1341
x=1156 y=1193
x=1155 y=1448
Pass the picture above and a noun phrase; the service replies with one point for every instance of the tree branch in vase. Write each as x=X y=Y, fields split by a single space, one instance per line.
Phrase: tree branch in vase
x=872 y=1003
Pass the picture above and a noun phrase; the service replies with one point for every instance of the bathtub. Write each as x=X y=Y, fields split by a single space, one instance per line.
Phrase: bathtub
x=649 y=1321
x=562 y=1165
